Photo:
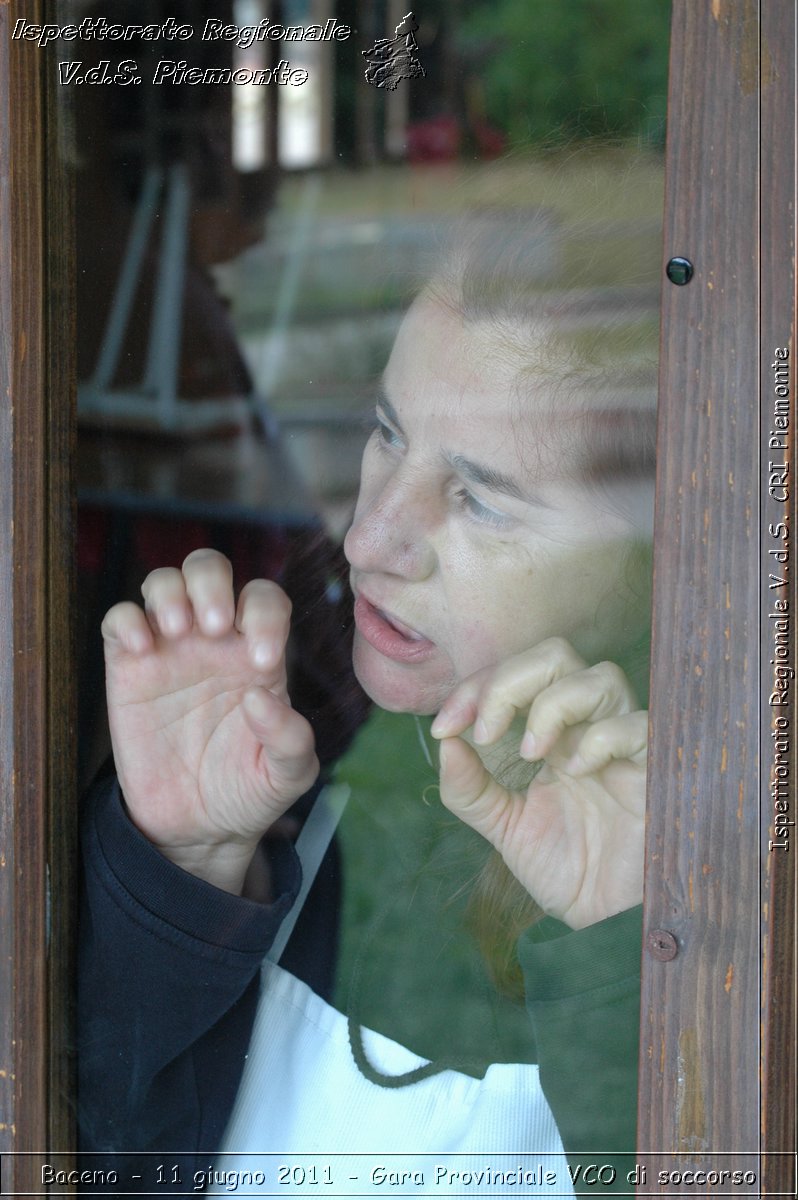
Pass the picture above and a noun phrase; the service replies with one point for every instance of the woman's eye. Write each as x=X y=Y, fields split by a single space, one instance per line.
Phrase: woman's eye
x=387 y=435
x=481 y=512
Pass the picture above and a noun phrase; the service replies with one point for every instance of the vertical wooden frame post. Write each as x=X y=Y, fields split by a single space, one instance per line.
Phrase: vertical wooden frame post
x=701 y=1045
x=37 y=809
x=778 y=380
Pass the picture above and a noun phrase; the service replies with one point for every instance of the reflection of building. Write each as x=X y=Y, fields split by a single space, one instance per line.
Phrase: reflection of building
x=164 y=193
x=290 y=126
x=174 y=179
x=160 y=201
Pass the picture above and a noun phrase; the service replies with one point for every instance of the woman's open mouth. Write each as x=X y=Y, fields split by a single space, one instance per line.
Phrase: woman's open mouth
x=389 y=635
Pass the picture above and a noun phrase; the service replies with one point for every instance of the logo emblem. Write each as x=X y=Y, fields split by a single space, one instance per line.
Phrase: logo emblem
x=393 y=59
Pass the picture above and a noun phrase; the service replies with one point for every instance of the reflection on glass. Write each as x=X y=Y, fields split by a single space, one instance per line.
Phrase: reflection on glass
x=250 y=102
x=415 y=393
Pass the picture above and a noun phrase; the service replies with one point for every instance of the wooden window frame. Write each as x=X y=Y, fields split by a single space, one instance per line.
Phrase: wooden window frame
x=38 y=836
x=722 y=1010
x=717 y=1052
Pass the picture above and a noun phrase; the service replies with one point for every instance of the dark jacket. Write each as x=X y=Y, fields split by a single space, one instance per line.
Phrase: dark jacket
x=169 y=982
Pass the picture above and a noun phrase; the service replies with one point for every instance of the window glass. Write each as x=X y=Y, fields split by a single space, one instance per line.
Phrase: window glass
x=367 y=304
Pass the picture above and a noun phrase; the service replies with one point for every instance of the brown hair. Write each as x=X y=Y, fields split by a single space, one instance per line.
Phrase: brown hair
x=588 y=344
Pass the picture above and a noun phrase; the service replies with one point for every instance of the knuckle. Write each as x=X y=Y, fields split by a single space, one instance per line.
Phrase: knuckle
x=305 y=741
x=558 y=650
x=611 y=674
x=207 y=557
x=120 y=620
x=500 y=685
x=313 y=769
x=639 y=724
x=506 y=676
x=490 y=690
x=269 y=591
x=598 y=741
x=543 y=710
x=112 y=620
x=156 y=579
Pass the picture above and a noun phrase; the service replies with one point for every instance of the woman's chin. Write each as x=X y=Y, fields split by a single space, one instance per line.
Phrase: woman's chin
x=399 y=687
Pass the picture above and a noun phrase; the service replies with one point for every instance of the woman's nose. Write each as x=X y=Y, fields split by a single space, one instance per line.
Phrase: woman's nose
x=391 y=530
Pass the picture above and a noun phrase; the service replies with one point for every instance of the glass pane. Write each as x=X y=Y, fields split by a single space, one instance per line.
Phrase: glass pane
x=367 y=304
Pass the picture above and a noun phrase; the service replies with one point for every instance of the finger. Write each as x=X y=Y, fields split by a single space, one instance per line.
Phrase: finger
x=286 y=739
x=166 y=603
x=209 y=584
x=264 y=617
x=491 y=698
x=472 y=794
x=622 y=737
x=505 y=690
x=589 y=695
x=125 y=630
x=519 y=682
x=459 y=710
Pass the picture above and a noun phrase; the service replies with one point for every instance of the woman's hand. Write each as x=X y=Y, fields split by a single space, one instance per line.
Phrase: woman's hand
x=208 y=750
x=574 y=836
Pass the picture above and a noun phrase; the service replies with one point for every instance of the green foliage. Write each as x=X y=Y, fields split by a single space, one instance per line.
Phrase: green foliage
x=554 y=71
x=409 y=867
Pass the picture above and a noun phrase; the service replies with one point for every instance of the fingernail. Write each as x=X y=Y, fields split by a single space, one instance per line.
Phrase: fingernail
x=172 y=621
x=481 y=733
x=442 y=754
x=445 y=722
x=214 y=620
x=530 y=746
x=453 y=718
x=575 y=766
x=264 y=654
x=138 y=642
x=254 y=702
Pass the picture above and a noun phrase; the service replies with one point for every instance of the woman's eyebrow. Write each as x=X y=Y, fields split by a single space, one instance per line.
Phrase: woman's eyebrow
x=387 y=408
x=495 y=481
x=473 y=472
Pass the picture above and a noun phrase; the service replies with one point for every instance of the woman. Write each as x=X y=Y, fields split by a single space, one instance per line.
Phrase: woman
x=497 y=563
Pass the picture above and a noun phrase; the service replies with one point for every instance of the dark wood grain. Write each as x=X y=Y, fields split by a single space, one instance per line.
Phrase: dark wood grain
x=60 y=509
x=700 y=1047
x=24 y=1005
x=36 y=788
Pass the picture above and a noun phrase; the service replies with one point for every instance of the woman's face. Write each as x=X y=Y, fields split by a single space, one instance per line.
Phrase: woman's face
x=474 y=537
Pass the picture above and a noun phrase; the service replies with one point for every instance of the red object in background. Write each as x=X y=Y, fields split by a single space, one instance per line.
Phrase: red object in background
x=157 y=540
x=491 y=142
x=255 y=551
x=439 y=140
x=435 y=140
